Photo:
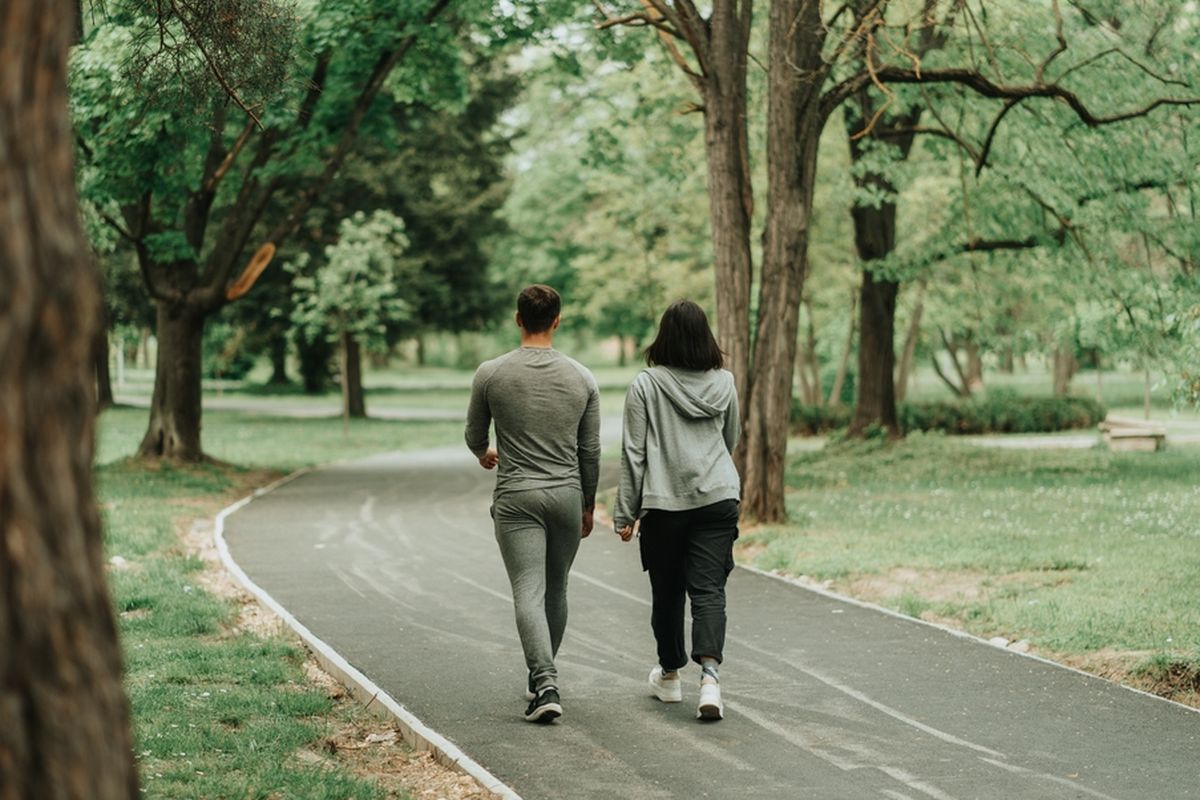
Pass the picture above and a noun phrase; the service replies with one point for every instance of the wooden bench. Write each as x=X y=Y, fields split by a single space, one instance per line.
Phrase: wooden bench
x=1132 y=435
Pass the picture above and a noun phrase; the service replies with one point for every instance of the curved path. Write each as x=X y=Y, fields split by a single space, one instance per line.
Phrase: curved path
x=391 y=560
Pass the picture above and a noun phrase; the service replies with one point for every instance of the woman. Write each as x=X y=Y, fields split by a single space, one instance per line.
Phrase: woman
x=677 y=476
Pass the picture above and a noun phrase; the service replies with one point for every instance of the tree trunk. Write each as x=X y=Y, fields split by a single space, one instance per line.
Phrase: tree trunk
x=974 y=366
x=421 y=355
x=64 y=721
x=839 y=380
x=1007 y=361
x=910 y=345
x=794 y=122
x=174 y=430
x=104 y=389
x=353 y=403
x=1064 y=370
x=875 y=239
x=876 y=404
x=729 y=192
x=279 y=376
x=622 y=357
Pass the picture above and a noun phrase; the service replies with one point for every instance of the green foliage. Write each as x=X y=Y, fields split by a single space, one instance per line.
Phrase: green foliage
x=224 y=354
x=1002 y=412
x=996 y=412
x=358 y=289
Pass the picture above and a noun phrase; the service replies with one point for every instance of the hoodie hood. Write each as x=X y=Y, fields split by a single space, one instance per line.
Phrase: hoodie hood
x=695 y=394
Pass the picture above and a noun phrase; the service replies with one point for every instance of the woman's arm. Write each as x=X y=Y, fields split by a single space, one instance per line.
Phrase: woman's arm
x=633 y=459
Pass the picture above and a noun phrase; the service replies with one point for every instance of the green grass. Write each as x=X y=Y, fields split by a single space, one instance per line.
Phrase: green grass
x=284 y=443
x=1074 y=550
x=219 y=713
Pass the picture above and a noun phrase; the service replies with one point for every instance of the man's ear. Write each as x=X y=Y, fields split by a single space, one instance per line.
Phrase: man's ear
x=517 y=319
x=554 y=325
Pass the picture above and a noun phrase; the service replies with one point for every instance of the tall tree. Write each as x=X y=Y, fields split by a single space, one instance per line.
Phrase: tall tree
x=815 y=65
x=193 y=220
x=64 y=720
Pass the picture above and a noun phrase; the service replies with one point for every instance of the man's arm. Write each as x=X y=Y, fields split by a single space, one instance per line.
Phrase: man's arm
x=479 y=420
x=588 y=446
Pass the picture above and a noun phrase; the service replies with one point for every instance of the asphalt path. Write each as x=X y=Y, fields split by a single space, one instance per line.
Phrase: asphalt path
x=392 y=561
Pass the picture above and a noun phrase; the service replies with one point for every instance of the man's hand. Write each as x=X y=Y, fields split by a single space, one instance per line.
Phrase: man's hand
x=587 y=521
x=490 y=459
x=626 y=533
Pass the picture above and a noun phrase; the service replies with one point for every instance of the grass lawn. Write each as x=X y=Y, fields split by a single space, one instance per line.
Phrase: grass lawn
x=222 y=710
x=1093 y=557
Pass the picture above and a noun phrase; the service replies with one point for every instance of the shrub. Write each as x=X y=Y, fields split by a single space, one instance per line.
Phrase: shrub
x=997 y=412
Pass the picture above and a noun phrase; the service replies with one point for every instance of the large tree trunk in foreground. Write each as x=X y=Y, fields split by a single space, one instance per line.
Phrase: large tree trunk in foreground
x=353 y=403
x=174 y=429
x=64 y=721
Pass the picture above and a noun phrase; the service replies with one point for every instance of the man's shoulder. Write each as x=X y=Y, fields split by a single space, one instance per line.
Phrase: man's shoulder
x=489 y=367
x=583 y=371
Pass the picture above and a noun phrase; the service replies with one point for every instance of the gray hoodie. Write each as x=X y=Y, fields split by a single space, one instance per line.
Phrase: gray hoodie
x=680 y=427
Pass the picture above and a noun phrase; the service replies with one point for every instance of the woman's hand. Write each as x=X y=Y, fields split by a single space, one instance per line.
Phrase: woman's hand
x=626 y=533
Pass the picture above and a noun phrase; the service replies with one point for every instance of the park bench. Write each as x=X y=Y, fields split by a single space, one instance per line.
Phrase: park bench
x=1132 y=435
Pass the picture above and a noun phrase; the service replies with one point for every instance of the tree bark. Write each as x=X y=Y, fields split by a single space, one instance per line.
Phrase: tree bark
x=876 y=404
x=1065 y=367
x=279 y=376
x=104 y=389
x=974 y=366
x=174 y=429
x=839 y=380
x=64 y=720
x=353 y=403
x=910 y=345
x=795 y=73
x=726 y=146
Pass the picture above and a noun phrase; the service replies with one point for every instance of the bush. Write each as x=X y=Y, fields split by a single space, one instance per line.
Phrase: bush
x=813 y=420
x=998 y=412
x=1003 y=413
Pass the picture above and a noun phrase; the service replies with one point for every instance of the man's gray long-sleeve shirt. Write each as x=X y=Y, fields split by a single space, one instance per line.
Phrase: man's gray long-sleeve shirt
x=547 y=412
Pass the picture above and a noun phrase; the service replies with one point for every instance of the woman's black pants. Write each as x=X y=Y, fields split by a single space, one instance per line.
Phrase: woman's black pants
x=689 y=553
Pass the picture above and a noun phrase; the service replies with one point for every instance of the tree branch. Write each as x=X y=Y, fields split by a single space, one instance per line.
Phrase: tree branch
x=986 y=87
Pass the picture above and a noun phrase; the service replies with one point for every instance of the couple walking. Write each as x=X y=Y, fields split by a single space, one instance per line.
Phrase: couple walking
x=678 y=486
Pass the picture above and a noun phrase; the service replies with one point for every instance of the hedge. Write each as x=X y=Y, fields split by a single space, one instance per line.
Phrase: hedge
x=996 y=413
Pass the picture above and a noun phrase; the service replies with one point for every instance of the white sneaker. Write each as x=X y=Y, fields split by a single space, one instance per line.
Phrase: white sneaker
x=710 y=706
x=669 y=690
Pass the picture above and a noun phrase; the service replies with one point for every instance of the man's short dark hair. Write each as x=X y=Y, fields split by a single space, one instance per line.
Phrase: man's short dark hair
x=538 y=306
x=684 y=340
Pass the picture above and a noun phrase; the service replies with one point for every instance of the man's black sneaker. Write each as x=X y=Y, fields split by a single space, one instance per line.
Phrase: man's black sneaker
x=545 y=707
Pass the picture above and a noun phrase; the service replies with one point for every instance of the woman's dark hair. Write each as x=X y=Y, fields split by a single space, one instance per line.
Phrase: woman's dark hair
x=538 y=305
x=685 y=340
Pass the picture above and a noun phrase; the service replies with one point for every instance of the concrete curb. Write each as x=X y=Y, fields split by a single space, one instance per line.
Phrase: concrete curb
x=416 y=733
x=952 y=631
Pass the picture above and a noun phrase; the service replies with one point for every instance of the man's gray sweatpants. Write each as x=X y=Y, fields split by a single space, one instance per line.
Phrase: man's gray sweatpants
x=538 y=531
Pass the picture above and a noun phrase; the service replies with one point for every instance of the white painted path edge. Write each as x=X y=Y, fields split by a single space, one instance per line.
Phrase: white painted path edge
x=415 y=732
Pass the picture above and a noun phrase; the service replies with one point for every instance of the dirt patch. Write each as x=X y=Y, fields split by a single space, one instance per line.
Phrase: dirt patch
x=372 y=749
x=365 y=745
x=1176 y=680
x=944 y=586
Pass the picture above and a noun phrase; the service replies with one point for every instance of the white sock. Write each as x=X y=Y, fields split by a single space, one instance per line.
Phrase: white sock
x=709 y=669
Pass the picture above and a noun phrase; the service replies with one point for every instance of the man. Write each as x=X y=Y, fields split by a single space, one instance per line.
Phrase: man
x=547 y=414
